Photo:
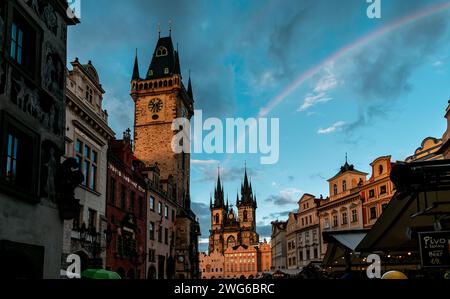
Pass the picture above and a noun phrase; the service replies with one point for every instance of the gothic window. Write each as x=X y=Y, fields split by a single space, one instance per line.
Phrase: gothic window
x=245 y=216
x=217 y=218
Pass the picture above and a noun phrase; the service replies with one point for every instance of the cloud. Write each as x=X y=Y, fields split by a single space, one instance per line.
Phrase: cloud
x=438 y=63
x=334 y=128
x=204 y=162
x=285 y=197
x=208 y=173
x=324 y=85
x=264 y=231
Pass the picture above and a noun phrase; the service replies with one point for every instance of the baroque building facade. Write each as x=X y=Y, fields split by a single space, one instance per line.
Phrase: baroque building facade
x=160 y=97
x=87 y=136
x=36 y=189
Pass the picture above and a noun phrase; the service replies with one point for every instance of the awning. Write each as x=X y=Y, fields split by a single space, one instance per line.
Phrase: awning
x=340 y=242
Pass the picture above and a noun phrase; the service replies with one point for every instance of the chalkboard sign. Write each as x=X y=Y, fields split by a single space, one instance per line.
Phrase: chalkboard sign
x=435 y=249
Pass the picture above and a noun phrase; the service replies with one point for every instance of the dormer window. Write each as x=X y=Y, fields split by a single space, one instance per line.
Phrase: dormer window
x=161 y=51
x=150 y=72
x=166 y=70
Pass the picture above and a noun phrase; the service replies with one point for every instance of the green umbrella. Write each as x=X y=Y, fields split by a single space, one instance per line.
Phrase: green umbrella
x=99 y=274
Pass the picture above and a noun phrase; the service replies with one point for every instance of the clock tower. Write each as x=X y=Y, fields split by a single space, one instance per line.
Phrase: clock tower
x=160 y=97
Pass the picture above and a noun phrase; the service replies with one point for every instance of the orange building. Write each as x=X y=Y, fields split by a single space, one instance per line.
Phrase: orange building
x=211 y=266
x=377 y=191
x=241 y=262
x=264 y=257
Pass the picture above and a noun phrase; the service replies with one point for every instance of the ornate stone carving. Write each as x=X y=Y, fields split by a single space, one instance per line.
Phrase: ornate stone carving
x=53 y=78
x=50 y=19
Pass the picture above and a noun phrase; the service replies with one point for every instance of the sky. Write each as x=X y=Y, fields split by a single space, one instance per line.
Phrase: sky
x=338 y=82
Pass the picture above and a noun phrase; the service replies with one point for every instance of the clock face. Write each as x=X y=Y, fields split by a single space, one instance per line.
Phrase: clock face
x=155 y=105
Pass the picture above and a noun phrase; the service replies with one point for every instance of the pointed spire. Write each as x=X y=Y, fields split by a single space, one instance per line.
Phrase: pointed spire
x=189 y=90
x=159 y=30
x=170 y=27
x=237 y=199
x=136 y=68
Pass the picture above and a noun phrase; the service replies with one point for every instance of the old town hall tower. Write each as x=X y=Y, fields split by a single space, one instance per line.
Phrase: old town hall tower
x=160 y=97
x=227 y=228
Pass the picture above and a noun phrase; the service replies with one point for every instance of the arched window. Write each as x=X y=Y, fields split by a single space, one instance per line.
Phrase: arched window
x=380 y=169
x=165 y=83
x=170 y=82
x=335 y=191
x=245 y=216
x=160 y=84
x=217 y=218
x=344 y=186
x=161 y=52
x=145 y=86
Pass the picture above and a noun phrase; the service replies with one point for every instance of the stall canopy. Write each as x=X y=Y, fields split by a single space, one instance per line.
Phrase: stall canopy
x=421 y=203
x=341 y=243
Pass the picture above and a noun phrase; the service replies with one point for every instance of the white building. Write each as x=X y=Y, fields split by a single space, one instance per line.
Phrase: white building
x=87 y=136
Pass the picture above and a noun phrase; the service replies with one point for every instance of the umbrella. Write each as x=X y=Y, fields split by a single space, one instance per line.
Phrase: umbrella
x=99 y=274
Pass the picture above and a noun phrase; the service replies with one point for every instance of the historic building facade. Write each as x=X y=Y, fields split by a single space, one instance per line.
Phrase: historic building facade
x=87 y=137
x=160 y=97
x=33 y=198
x=278 y=245
x=126 y=211
x=377 y=191
x=343 y=209
x=211 y=266
x=161 y=225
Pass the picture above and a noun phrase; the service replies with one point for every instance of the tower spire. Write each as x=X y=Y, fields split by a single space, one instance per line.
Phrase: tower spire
x=170 y=27
x=189 y=90
x=159 y=30
x=136 y=68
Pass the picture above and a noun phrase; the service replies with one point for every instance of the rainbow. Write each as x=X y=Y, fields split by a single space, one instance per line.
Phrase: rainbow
x=359 y=43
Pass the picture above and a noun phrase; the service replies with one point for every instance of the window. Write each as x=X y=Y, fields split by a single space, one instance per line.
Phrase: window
x=217 y=218
x=161 y=51
x=11 y=158
x=173 y=215
x=166 y=212
x=308 y=257
x=383 y=189
x=123 y=197
x=151 y=234
x=314 y=235
x=245 y=216
x=354 y=216
x=327 y=223
x=152 y=203
x=89 y=94
x=92 y=220
x=371 y=193
x=335 y=190
x=166 y=236
x=88 y=159
x=23 y=43
x=112 y=191
x=303 y=221
x=77 y=221
x=159 y=208
x=160 y=232
x=316 y=253
x=166 y=70
x=344 y=218
x=151 y=255
x=373 y=213
x=301 y=255
x=344 y=186
x=310 y=219
x=380 y=169
x=335 y=220
x=18 y=160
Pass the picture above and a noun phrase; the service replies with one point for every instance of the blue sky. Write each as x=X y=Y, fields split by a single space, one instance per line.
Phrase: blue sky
x=382 y=98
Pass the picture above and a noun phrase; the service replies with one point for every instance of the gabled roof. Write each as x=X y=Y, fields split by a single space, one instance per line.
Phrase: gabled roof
x=347 y=168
